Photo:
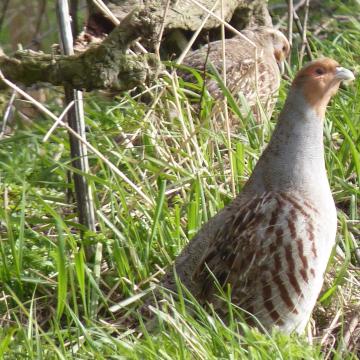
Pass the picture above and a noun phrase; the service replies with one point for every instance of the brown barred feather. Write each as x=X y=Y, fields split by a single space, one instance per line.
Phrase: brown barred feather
x=272 y=48
x=271 y=245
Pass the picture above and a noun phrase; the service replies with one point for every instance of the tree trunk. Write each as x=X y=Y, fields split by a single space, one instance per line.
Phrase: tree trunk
x=108 y=66
x=183 y=18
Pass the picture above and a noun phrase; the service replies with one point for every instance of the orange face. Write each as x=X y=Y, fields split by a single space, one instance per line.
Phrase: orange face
x=265 y=35
x=319 y=81
x=281 y=47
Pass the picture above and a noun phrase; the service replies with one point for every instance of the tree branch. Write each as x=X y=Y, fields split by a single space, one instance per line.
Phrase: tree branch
x=106 y=66
x=97 y=68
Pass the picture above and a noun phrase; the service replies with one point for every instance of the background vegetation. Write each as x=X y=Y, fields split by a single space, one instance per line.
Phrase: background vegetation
x=53 y=304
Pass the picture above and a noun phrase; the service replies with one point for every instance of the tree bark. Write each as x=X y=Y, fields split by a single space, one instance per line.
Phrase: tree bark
x=105 y=66
x=186 y=15
x=108 y=65
x=97 y=68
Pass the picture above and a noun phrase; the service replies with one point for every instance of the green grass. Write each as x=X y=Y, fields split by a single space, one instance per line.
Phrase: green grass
x=55 y=305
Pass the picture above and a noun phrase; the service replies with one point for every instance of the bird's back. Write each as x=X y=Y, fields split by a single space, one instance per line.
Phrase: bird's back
x=255 y=78
x=270 y=249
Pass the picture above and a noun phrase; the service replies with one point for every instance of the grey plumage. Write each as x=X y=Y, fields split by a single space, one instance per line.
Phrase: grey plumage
x=272 y=243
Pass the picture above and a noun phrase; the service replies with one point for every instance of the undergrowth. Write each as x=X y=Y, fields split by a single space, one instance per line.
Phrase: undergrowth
x=55 y=304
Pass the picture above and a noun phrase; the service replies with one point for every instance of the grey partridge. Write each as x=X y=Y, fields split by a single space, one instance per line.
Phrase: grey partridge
x=273 y=242
x=243 y=69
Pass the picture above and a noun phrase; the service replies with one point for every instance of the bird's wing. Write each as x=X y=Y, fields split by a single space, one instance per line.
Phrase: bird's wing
x=248 y=246
x=240 y=63
x=240 y=78
x=231 y=246
x=255 y=79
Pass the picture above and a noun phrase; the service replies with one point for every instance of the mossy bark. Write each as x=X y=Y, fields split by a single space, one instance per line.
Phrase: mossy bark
x=186 y=15
x=108 y=66
x=97 y=68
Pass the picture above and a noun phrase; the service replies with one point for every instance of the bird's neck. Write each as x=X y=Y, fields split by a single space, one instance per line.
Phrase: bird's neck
x=294 y=158
x=298 y=135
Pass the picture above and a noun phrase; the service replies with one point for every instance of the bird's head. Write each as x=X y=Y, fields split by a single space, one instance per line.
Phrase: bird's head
x=319 y=80
x=278 y=42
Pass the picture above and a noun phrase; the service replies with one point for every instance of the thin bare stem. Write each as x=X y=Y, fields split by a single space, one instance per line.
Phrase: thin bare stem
x=58 y=121
x=157 y=46
x=204 y=76
x=303 y=32
x=236 y=32
x=226 y=112
x=227 y=25
x=76 y=120
x=113 y=167
x=304 y=42
x=7 y=113
x=102 y=7
x=195 y=35
x=290 y=25
x=297 y=6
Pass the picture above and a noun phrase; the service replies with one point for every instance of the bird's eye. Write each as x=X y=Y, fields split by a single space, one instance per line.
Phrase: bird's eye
x=319 y=71
x=284 y=48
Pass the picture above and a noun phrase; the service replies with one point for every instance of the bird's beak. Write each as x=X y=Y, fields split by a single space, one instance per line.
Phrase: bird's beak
x=343 y=74
x=281 y=65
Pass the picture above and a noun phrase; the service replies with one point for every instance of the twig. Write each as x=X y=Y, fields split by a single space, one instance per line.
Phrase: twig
x=290 y=25
x=236 y=32
x=7 y=113
x=204 y=75
x=226 y=112
x=102 y=7
x=162 y=28
x=227 y=25
x=332 y=326
x=349 y=333
x=323 y=26
x=58 y=121
x=297 y=6
x=75 y=116
x=195 y=35
x=302 y=31
x=303 y=37
x=113 y=167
